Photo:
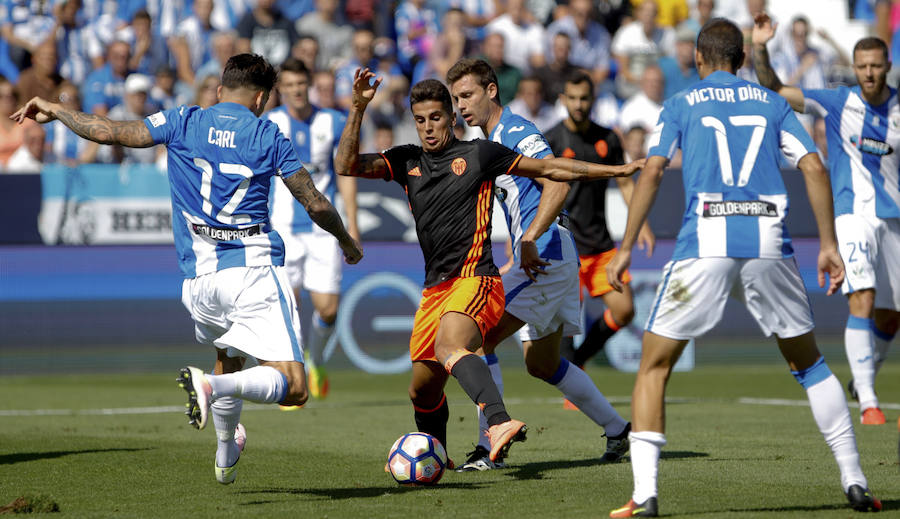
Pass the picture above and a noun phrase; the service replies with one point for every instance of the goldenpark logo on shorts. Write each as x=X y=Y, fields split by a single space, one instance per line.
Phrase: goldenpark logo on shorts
x=458 y=166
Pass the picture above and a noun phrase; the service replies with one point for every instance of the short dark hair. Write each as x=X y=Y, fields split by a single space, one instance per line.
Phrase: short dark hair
x=431 y=90
x=871 y=43
x=478 y=68
x=576 y=77
x=296 y=66
x=250 y=71
x=721 y=43
x=141 y=14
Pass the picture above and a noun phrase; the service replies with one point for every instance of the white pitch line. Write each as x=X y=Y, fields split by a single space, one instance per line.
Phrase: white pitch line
x=115 y=411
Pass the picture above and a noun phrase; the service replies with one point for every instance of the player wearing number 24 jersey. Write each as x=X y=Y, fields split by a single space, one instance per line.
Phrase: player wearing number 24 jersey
x=221 y=162
x=733 y=241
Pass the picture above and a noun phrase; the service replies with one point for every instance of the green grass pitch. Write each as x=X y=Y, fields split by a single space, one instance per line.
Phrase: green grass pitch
x=115 y=446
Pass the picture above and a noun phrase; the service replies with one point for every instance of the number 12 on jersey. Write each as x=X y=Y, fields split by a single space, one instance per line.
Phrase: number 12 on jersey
x=225 y=214
x=758 y=123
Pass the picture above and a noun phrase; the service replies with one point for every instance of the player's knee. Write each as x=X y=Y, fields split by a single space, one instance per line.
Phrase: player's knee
x=328 y=315
x=624 y=316
x=297 y=394
x=539 y=369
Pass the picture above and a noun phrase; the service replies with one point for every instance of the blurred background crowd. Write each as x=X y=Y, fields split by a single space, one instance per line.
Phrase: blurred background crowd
x=126 y=59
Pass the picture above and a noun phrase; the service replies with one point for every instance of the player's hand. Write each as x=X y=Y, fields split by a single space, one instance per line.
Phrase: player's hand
x=646 y=240
x=763 y=30
x=830 y=262
x=531 y=261
x=352 y=251
x=616 y=267
x=632 y=167
x=363 y=87
x=38 y=109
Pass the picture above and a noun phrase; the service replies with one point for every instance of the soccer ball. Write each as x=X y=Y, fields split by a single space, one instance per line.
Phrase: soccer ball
x=417 y=459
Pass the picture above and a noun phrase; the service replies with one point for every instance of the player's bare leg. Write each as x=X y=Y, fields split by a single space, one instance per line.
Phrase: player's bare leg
x=648 y=417
x=324 y=316
x=829 y=408
x=859 y=343
x=618 y=314
x=458 y=337
x=887 y=323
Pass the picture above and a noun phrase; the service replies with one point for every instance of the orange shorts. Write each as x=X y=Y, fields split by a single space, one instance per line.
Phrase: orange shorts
x=479 y=297
x=593 y=273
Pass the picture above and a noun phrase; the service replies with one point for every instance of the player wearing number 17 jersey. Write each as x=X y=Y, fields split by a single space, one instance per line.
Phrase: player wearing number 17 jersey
x=221 y=161
x=732 y=241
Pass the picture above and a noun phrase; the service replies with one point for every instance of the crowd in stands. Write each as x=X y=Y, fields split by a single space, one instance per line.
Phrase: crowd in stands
x=126 y=59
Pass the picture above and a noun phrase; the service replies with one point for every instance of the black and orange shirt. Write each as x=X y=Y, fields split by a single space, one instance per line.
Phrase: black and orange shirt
x=451 y=196
x=586 y=202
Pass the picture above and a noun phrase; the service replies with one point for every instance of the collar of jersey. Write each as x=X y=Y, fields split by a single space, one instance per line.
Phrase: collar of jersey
x=230 y=107
x=720 y=76
x=503 y=116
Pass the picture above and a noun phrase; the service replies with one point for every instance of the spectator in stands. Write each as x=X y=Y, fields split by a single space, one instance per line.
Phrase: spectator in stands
x=228 y=13
x=508 y=76
x=63 y=145
x=265 y=31
x=643 y=108
x=322 y=92
x=333 y=38
x=29 y=157
x=205 y=94
x=307 y=50
x=671 y=12
x=25 y=24
x=104 y=87
x=363 y=57
x=77 y=49
x=450 y=46
x=702 y=13
x=589 y=40
x=634 y=143
x=553 y=75
x=41 y=79
x=12 y=135
x=191 y=45
x=639 y=45
x=382 y=138
x=136 y=106
x=605 y=111
x=295 y=9
x=162 y=94
x=612 y=13
x=525 y=50
x=393 y=110
x=416 y=27
x=148 y=52
x=529 y=103
x=680 y=71
x=478 y=13
x=360 y=13
x=799 y=64
x=222 y=45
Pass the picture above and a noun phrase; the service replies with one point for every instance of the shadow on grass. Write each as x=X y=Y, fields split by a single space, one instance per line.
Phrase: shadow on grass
x=891 y=504
x=352 y=492
x=9 y=459
x=535 y=470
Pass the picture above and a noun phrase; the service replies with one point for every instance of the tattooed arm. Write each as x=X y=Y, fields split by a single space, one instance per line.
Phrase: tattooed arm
x=563 y=170
x=763 y=31
x=102 y=130
x=348 y=162
x=323 y=213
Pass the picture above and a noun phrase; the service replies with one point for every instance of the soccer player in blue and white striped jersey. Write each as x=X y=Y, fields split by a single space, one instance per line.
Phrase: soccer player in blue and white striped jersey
x=312 y=256
x=863 y=129
x=221 y=161
x=733 y=240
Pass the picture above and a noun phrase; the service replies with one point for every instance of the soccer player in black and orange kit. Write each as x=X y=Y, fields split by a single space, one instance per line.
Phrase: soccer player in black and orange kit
x=450 y=187
x=577 y=137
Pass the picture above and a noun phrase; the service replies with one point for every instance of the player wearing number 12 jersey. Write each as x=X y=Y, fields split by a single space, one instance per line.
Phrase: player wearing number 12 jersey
x=732 y=241
x=221 y=161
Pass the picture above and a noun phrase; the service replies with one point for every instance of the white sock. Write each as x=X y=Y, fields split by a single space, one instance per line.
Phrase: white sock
x=497 y=376
x=829 y=409
x=859 y=342
x=578 y=387
x=318 y=338
x=882 y=344
x=261 y=384
x=645 y=447
x=226 y=413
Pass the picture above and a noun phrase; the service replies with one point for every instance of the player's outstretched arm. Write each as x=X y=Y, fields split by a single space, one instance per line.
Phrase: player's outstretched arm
x=323 y=213
x=553 y=198
x=818 y=188
x=763 y=31
x=639 y=207
x=133 y=134
x=562 y=169
x=348 y=161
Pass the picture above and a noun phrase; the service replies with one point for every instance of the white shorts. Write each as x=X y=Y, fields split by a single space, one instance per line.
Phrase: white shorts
x=551 y=301
x=249 y=311
x=691 y=297
x=313 y=261
x=870 y=248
